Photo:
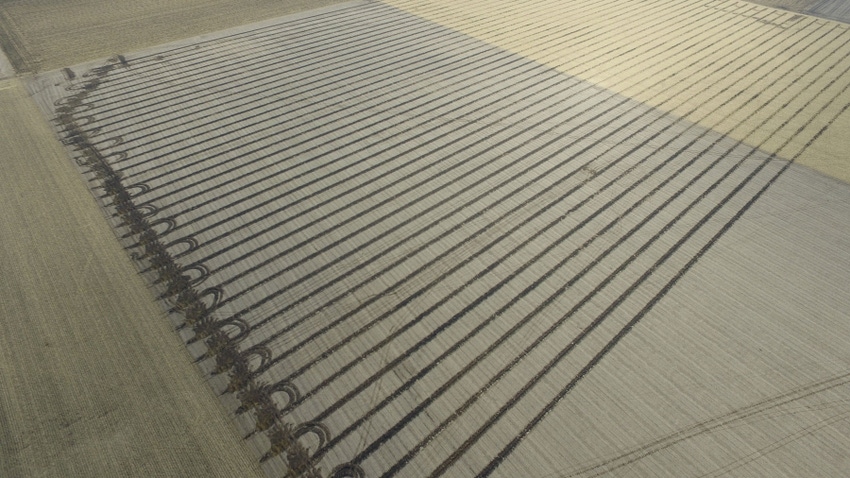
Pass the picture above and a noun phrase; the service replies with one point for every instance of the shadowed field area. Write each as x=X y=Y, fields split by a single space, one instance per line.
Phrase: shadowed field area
x=838 y=10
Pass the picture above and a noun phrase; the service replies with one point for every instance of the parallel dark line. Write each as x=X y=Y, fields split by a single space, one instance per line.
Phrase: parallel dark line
x=563 y=33
x=392 y=12
x=265 y=51
x=514 y=300
x=414 y=178
x=462 y=83
x=628 y=327
x=268 y=318
x=149 y=61
x=346 y=165
x=597 y=321
x=649 y=271
x=478 y=276
x=343 y=127
x=377 y=81
x=274 y=56
x=242 y=73
x=318 y=128
x=422 y=405
x=458 y=245
x=577 y=340
x=318 y=172
x=266 y=261
x=335 y=81
x=632 y=323
x=527 y=290
x=685 y=148
x=366 y=183
x=198 y=193
x=482 y=140
x=129 y=79
x=250 y=33
x=528 y=219
x=193 y=153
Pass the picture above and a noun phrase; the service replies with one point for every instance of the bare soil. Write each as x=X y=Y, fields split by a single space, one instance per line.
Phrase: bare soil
x=44 y=35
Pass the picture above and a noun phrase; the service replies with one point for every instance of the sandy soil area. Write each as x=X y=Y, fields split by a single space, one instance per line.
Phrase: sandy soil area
x=50 y=34
x=93 y=379
x=646 y=38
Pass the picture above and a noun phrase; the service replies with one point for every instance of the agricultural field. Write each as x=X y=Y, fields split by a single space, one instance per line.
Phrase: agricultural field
x=484 y=238
x=43 y=35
